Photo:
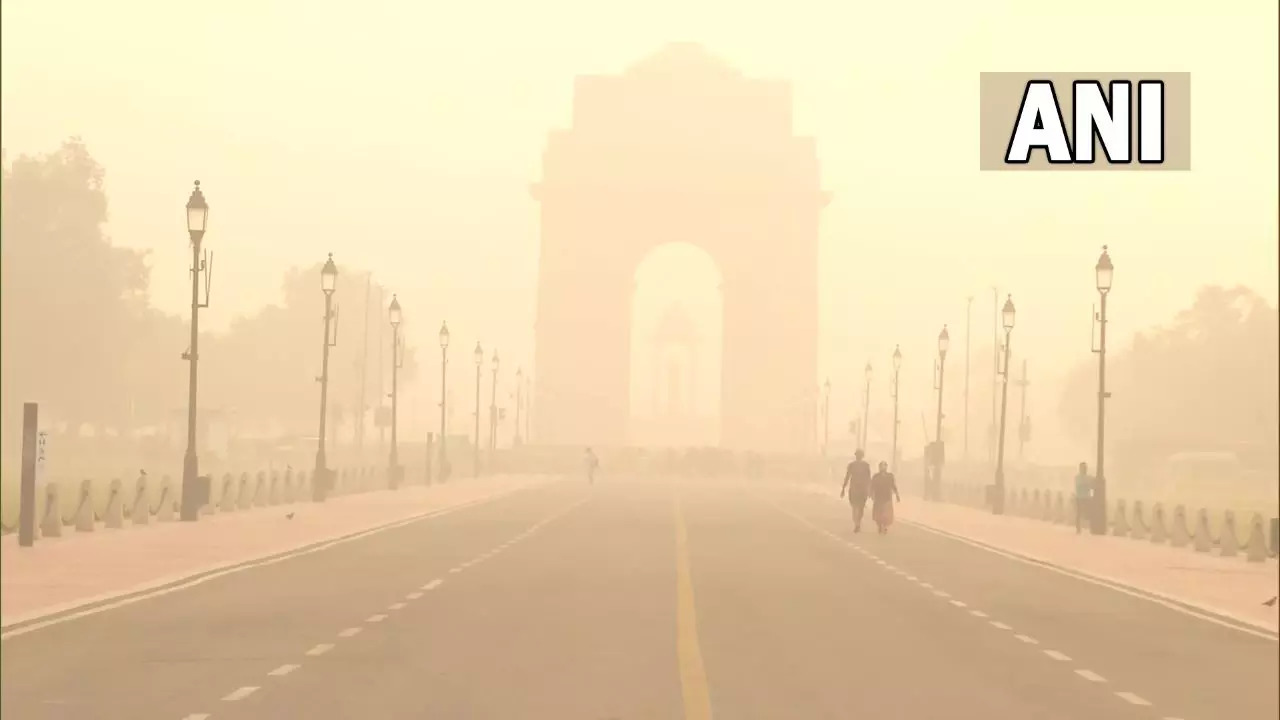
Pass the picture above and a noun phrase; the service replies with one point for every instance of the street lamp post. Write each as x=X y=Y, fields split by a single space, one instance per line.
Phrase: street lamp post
x=479 y=358
x=393 y=314
x=826 y=415
x=493 y=410
x=866 y=406
x=519 y=402
x=328 y=284
x=197 y=221
x=997 y=500
x=1103 y=271
x=444 y=364
x=939 y=447
x=897 y=367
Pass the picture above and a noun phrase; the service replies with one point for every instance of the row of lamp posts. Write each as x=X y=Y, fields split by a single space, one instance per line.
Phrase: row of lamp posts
x=1103 y=273
x=193 y=493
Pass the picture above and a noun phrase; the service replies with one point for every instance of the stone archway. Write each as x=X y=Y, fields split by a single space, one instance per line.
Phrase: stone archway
x=679 y=148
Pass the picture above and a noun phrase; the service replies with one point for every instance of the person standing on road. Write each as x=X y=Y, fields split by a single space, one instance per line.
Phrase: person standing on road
x=857 y=480
x=884 y=491
x=592 y=463
x=1084 y=494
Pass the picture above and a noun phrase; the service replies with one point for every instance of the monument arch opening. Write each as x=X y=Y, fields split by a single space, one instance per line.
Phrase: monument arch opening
x=681 y=145
x=676 y=340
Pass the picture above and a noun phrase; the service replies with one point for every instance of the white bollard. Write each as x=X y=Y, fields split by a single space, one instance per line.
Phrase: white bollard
x=113 y=518
x=85 y=521
x=51 y=522
x=140 y=513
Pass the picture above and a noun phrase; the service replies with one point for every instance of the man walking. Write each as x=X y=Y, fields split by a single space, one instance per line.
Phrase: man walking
x=592 y=463
x=857 y=480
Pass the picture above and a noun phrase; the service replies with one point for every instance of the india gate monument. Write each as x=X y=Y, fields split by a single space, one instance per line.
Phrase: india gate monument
x=679 y=148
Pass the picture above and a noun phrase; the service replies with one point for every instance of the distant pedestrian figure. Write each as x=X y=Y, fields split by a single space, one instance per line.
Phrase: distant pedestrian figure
x=884 y=491
x=592 y=463
x=857 y=480
x=1084 y=493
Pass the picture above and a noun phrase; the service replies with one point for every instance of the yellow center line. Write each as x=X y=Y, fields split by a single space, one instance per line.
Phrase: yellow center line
x=693 y=678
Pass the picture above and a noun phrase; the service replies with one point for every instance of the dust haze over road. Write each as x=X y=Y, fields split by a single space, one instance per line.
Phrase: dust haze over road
x=644 y=597
x=317 y=319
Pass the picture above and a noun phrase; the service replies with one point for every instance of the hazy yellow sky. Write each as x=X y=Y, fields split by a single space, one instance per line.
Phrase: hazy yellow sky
x=401 y=136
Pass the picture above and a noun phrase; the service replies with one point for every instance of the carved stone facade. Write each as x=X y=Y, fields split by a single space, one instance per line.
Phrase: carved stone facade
x=680 y=148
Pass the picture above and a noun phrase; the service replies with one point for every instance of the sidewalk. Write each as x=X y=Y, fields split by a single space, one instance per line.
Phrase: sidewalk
x=1225 y=586
x=62 y=573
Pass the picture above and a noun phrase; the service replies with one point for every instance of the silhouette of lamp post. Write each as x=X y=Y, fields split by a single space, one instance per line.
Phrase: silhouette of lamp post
x=479 y=358
x=444 y=365
x=866 y=406
x=328 y=285
x=897 y=367
x=519 y=403
x=197 y=221
x=493 y=411
x=997 y=500
x=939 y=447
x=394 y=316
x=826 y=415
x=1103 y=272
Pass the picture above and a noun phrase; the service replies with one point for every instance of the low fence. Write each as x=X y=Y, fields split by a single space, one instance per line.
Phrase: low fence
x=83 y=510
x=1200 y=529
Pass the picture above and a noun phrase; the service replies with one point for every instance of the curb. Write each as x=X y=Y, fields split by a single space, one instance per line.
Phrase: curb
x=1212 y=614
x=51 y=616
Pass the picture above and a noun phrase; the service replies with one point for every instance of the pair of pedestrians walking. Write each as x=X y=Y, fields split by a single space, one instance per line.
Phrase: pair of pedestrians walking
x=881 y=489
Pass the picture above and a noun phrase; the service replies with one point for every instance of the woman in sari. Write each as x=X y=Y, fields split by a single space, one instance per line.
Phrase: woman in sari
x=884 y=491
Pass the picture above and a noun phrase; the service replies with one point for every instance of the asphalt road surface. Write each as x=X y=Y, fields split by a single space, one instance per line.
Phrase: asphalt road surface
x=647 y=598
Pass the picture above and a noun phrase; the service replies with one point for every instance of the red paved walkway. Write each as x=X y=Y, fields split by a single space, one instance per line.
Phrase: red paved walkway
x=79 y=568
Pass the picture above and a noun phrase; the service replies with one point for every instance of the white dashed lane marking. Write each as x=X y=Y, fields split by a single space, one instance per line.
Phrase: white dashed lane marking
x=1129 y=697
x=1132 y=699
x=283 y=670
x=396 y=606
x=240 y=693
x=433 y=584
x=413 y=595
x=320 y=649
x=376 y=618
x=349 y=632
x=197 y=716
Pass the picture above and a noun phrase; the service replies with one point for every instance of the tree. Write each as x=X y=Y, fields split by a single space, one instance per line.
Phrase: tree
x=1206 y=382
x=73 y=302
x=266 y=365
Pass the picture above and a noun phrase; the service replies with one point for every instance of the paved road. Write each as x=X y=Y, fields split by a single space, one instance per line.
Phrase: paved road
x=642 y=599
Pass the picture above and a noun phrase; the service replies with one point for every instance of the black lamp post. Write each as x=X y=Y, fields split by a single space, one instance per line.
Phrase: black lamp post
x=826 y=415
x=197 y=221
x=479 y=358
x=393 y=315
x=866 y=406
x=897 y=367
x=997 y=500
x=1103 y=271
x=444 y=364
x=493 y=410
x=328 y=285
x=939 y=447
x=519 y=402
